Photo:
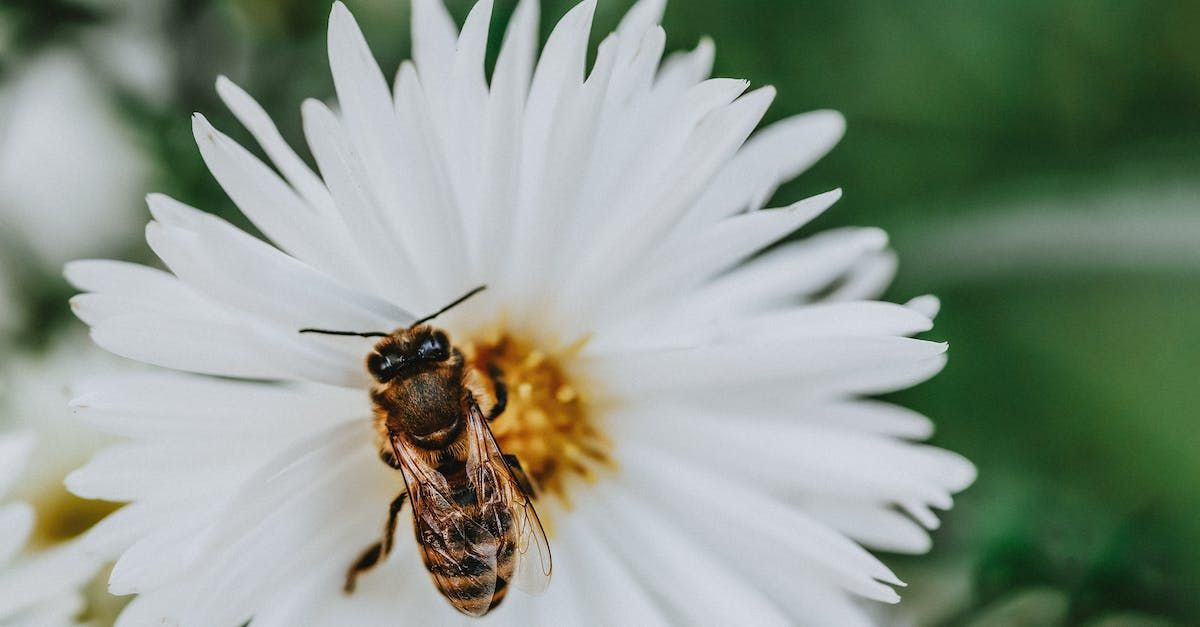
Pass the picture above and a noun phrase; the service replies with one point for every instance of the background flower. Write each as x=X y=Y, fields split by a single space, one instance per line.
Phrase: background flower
x=38 y=588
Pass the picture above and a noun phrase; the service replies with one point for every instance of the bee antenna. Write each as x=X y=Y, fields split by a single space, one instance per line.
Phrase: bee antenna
x=452 y=305
x=346 y=333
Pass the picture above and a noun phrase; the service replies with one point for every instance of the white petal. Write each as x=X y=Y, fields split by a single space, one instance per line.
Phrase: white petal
x=15 y=449
x=644 y=15
x=877 y=526
x=654 y=214
x=127 y=472
x=51 y=573
x=610 y=588
x=801 y=457
x=773 y=156
x=270 y=203
x=633 y=372
x=434 y=38
x=391 y=268
x=869 y=279
x=164 y=405
x=776 y=544
x=244 y=273
x=256 y=120
x=503 y=141
x=158 y=557
x=403 y=171
x=226 y=350
x=698 y=589
x=59 y=611
x=16 y=522
x=927 y=305
x=838 y=319
x=688 y=262
x=797 y=269
x=559 y=75
x=292 y=522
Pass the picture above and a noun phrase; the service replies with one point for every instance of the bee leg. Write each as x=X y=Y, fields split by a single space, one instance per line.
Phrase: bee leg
x=389 y=458
x=501 y=391
x=519 y=474
x=365 y=562
x=371 y=556
x=389 y=536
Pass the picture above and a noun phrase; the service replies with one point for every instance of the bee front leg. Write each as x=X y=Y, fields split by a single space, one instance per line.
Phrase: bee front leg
x=501 y=391
x=371 y=556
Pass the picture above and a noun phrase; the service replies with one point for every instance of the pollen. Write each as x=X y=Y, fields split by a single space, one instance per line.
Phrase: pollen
x=550 y=422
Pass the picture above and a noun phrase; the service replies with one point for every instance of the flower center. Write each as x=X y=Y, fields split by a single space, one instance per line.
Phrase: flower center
x=549 y=422
x=62 y=516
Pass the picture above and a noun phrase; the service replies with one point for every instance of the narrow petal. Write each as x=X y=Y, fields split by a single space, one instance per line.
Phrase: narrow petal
x=231 y=350
x=839 y=319
x=244 y=273
x=404 y=168
x=392 y=269
x=272 y=205
x=679 y=570
x=15 y=449
x=731 y=365
x=869 y=279
x=167 y=405
x=774 y=155
x=53 y=572
x=689 y=261
x=635 y=233
x=434 y=38
x=16 y=522
x=624 y=600
x=879 y=527
x=799 y=457
x=707 y=504
x=256 y=120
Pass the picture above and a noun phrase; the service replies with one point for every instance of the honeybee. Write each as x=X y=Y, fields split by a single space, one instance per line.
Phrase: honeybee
x=475 y=525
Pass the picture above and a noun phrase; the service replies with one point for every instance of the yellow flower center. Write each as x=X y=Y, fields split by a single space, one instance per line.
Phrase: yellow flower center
x=550 y=420
x=62 y=516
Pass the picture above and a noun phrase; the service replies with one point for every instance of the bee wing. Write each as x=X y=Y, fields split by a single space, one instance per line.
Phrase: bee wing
x=460 y=553
x=499 y=489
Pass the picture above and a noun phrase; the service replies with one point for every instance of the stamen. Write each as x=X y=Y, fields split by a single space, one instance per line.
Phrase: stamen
x=550 y=422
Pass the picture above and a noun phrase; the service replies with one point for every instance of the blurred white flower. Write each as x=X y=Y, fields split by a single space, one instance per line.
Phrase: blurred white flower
x=35 y=395
x=45 y=443
x=38 y=590
x=10 y=312
x=692 y=410
x=130 y=45
x=70 y=172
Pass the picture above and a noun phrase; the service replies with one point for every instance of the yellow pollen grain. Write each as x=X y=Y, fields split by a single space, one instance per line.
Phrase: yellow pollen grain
x=550 y=421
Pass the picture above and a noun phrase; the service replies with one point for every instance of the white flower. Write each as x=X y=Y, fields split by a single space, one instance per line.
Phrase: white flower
x=39 y=590
x=70 y=173
x=40 y=442
x=695 y=421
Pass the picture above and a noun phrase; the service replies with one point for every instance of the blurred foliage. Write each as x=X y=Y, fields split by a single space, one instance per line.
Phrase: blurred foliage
x=1076 y=397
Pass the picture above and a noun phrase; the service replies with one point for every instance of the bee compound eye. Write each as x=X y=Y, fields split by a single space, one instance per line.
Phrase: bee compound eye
x=434 y=348
x=384 y=366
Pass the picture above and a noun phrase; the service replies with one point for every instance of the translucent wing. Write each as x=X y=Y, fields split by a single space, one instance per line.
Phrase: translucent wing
x=502 y=495
x=460 y=553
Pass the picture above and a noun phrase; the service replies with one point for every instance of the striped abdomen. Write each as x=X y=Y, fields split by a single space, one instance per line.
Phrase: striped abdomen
x=470 y=550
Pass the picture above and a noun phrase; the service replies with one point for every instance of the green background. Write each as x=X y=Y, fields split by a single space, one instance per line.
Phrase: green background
x=1036 y=163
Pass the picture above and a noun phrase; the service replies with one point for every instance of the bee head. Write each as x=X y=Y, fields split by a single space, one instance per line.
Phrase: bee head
x=408 y=351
